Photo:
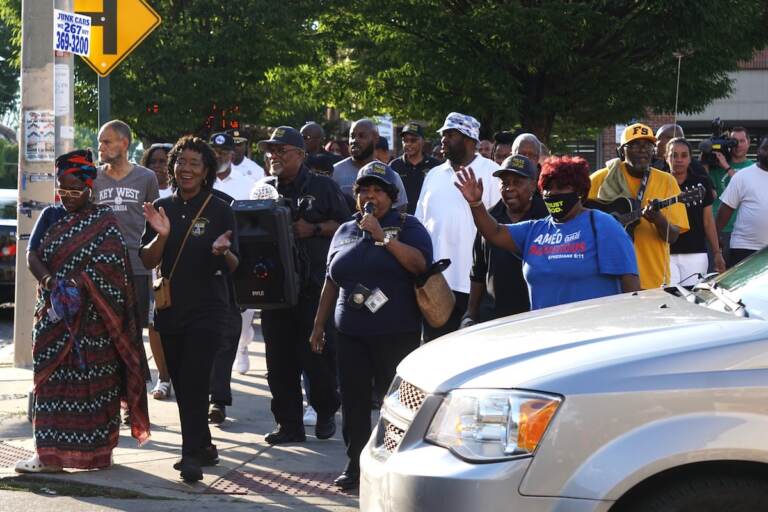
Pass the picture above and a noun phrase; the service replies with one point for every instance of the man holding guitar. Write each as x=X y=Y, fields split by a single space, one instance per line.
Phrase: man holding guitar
x=632 y=177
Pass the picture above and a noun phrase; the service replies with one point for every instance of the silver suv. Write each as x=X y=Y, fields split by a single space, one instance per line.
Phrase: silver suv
x=655 y=400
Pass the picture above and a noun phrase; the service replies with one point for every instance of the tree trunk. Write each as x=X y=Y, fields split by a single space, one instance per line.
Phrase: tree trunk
x=537 y=122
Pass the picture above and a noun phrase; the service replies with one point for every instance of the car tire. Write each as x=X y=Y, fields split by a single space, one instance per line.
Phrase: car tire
x=704 y=494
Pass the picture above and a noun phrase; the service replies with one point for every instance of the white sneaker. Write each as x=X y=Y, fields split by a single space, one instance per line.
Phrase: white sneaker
x=242 y=362
x=310 y=416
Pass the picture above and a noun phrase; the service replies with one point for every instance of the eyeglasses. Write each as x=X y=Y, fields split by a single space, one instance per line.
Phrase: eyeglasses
x=279 y=150
x=636 y=145
x=75 y=194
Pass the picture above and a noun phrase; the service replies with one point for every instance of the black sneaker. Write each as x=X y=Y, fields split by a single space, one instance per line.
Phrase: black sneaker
x=208 y=457
x=282 y=436
x=190 y=469
x=217 y=414
x=325 y=426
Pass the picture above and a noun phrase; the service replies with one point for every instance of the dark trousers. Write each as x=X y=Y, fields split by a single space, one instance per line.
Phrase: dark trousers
x=736 y=255
x=286 y=339
x=431 y=333
x=363 y=359
x=190 y=355
x=221 y=375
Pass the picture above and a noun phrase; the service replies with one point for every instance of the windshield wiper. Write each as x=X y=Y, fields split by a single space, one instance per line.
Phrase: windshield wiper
x=736 y=306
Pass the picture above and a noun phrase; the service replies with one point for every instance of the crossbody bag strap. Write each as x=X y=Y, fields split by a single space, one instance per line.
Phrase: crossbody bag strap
x=189 y=230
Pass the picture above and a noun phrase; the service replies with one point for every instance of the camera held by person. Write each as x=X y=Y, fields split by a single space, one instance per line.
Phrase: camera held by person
x=720 y=142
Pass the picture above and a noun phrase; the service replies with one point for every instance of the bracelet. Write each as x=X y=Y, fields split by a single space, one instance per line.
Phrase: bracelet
x=45 y=280
x=476 y=204
x=226 y=253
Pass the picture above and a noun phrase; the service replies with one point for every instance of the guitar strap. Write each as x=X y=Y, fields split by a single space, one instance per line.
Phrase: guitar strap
x=643 y=185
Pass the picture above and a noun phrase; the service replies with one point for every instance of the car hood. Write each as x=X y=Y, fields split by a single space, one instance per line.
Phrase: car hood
x=607 y=343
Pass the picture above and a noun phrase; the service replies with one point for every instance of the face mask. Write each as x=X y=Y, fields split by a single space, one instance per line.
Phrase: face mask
x=559 y=205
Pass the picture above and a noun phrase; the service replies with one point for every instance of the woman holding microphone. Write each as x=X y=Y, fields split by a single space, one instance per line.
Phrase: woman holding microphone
x=369 y=287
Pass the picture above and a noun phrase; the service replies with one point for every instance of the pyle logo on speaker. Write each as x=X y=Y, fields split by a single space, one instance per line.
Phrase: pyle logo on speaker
x=257 y=293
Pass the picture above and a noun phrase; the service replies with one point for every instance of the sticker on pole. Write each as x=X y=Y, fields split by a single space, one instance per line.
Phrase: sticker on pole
x=71 y=33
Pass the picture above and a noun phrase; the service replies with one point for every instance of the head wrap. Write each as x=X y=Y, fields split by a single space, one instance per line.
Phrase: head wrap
x=78 y=163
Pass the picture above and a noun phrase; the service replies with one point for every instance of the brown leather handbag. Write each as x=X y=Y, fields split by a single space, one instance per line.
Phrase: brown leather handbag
x=433 y=295
x=161 y=286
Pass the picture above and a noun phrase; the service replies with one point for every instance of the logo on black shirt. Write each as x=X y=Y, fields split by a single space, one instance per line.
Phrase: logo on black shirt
x=198 y=229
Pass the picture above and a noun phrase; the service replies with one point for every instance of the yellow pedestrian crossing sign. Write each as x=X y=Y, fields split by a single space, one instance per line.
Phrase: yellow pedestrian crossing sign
x=118 y=26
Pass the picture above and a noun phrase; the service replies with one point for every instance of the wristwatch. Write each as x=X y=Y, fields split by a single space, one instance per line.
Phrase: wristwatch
x=385 y=242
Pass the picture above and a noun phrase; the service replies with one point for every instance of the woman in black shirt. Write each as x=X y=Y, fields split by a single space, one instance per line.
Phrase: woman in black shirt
x=688 y=255
x=191 y=327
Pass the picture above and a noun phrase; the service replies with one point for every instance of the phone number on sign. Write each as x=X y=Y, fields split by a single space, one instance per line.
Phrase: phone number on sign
x=71 y=42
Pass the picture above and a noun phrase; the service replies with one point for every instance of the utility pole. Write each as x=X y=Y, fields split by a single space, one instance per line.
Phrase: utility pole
x=47 y=130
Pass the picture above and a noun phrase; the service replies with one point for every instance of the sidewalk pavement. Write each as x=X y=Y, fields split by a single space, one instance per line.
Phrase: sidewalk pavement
x=252 y=475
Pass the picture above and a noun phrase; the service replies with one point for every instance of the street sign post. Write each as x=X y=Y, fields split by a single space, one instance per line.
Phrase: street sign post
x=117 y=28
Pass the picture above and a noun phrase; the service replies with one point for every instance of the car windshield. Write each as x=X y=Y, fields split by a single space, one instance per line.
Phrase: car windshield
x=745 y=285
x=7 y=204
x=7 y=209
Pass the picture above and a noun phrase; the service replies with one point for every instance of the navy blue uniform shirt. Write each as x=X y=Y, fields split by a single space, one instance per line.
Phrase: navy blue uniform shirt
x=353 y=259
x=413 y=176
x=315 y=199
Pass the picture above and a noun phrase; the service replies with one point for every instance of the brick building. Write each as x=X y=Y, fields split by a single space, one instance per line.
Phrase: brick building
x=747 y=106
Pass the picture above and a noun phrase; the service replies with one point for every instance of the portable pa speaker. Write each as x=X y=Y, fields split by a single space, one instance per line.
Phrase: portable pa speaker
x=266 y=277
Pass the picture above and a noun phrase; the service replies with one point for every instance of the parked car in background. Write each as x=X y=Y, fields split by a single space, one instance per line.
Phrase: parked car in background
x=649 y=401
x=8 y=207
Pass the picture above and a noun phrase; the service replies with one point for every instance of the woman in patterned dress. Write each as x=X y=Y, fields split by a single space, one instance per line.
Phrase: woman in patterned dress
x=87 y=347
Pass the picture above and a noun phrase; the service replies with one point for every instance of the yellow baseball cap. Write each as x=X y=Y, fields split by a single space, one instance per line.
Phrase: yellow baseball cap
x=637 y=131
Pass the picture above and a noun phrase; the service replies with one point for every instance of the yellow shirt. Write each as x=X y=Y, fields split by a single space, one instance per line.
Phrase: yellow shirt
x=652 y=252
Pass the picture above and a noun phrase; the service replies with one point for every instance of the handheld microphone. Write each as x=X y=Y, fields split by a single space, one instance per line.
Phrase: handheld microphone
x=367 y=208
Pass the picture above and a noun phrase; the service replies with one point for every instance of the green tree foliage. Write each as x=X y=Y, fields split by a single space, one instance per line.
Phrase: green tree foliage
x=203 y=54
x=539 y=64
x=529 y=63
x=10 y=42
x=9 y=157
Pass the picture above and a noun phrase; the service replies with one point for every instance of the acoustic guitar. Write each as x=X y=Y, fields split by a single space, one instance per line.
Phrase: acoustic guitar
x=628 y=212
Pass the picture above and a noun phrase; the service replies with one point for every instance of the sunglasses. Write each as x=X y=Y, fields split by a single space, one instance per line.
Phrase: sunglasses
x=76 y=194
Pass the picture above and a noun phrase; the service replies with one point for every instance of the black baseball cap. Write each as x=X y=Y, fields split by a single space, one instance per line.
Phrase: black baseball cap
x=284 y=135
x=517 y=164
x=378 y=171
x=413 y=129
x=238 y=136
x=222 y=140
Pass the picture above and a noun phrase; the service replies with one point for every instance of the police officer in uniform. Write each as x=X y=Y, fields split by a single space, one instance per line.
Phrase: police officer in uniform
x=413 y=165
x=318 y=208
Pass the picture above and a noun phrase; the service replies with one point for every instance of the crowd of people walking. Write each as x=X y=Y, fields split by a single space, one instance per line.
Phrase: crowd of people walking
x=156 y=245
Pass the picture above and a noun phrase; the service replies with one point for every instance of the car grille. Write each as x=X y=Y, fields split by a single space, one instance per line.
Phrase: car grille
x=411 y=396
x=409 y=400
x=392 y=437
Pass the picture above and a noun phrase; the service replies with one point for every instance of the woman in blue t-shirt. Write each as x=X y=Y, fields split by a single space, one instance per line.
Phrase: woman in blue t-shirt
x=371 y=265
x=573 y=254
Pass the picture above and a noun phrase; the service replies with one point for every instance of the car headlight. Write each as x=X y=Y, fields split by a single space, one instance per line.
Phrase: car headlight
x=483 y=425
